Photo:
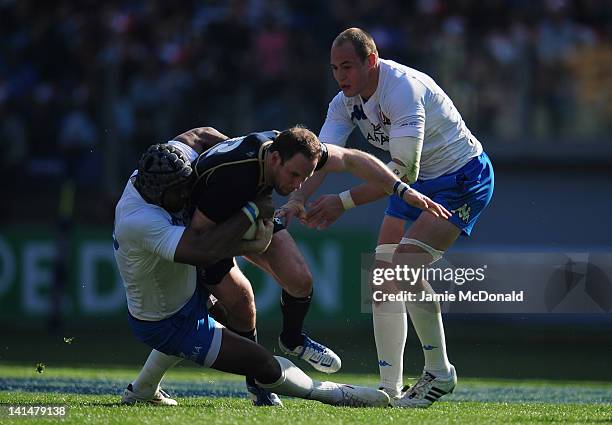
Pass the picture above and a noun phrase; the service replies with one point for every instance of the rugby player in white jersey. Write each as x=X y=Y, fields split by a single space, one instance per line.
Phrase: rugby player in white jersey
x=216 y=195
x=156 y=256
x=403 y=111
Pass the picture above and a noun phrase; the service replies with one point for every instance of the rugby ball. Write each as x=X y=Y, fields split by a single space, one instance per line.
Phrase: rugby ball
x=249 y=235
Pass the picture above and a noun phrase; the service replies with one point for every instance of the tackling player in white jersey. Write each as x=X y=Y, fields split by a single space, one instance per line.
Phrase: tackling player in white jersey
x=403 y=111
x=156 y=256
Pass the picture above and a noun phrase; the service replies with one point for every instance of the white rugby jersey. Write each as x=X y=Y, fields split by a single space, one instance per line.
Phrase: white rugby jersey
x=145 y=240
x=406 y=102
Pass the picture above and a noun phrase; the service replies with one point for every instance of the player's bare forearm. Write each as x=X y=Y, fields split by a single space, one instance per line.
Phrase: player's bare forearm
x=201 y=139
x=379 y=178
x=227 y=237
x=367 y=192
x=204 y=243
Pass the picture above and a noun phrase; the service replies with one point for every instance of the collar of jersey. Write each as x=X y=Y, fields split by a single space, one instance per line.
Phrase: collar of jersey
x=261 y=156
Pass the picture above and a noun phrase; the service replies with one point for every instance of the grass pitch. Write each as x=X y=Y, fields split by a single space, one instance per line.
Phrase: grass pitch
x=205 y=396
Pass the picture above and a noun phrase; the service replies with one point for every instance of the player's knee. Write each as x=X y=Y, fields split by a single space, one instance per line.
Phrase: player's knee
x=246 y=312
x=241 y=310
x=299 y=285
x=416 y=253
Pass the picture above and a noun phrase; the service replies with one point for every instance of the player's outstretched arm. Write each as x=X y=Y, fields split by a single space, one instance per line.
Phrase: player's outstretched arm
x=358 y=163
x=201 y=139
x=380 y=183
x=328 y=208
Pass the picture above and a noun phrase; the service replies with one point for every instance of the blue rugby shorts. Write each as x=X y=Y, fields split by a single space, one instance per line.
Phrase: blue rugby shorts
x=190 y=333
x=465 y=192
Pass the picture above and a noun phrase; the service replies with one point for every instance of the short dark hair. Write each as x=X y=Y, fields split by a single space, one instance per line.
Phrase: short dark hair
x=362 y=42
x=161 y=167
x=296 y=140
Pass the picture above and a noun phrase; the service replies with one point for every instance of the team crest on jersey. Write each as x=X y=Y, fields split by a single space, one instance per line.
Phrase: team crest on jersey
x=463 y=212
x=377 y=135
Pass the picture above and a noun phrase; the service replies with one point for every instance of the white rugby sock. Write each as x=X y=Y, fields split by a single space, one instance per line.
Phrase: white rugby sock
x=295 y=383
x=427 y=321
x=390 y=330
x=152 y=373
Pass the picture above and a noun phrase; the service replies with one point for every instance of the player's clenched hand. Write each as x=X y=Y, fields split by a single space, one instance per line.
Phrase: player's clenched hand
x=263 y=237
x=417 y=199
x=324 y=211
x=265 y=205
x=293 y=208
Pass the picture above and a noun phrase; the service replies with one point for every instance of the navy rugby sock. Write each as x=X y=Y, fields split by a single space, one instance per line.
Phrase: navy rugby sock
x=294 y=312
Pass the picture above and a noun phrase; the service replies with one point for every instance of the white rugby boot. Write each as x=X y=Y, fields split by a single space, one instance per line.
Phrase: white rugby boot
x=263 y=397
x=317 y=355
x=160 y=398
x=395 y=394
x=427 y=390
x=355 y=396
x=349 y=395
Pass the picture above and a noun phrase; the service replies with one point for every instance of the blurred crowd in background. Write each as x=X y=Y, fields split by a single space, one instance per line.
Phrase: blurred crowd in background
x=85 y=86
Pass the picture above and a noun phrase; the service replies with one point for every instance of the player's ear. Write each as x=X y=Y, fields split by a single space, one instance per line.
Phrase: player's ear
x=275 y=158
x=371 y=60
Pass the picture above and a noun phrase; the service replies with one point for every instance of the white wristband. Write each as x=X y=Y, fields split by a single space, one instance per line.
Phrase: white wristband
x=347 y=200
x=399 y=188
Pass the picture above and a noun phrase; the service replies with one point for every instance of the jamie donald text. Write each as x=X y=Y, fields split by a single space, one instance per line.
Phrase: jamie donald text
x=388 y=282
x=461 y=295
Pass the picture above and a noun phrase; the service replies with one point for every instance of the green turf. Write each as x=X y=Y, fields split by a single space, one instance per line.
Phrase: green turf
x=527 y=402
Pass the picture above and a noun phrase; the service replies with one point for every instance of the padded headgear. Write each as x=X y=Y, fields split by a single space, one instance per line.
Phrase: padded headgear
x=161 y=167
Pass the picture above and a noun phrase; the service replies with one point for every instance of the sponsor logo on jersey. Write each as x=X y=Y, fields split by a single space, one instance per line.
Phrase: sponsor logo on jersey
x=377 y=135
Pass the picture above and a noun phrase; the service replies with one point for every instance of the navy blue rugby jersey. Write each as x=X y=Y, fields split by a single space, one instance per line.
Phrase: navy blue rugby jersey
x=231 y=173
